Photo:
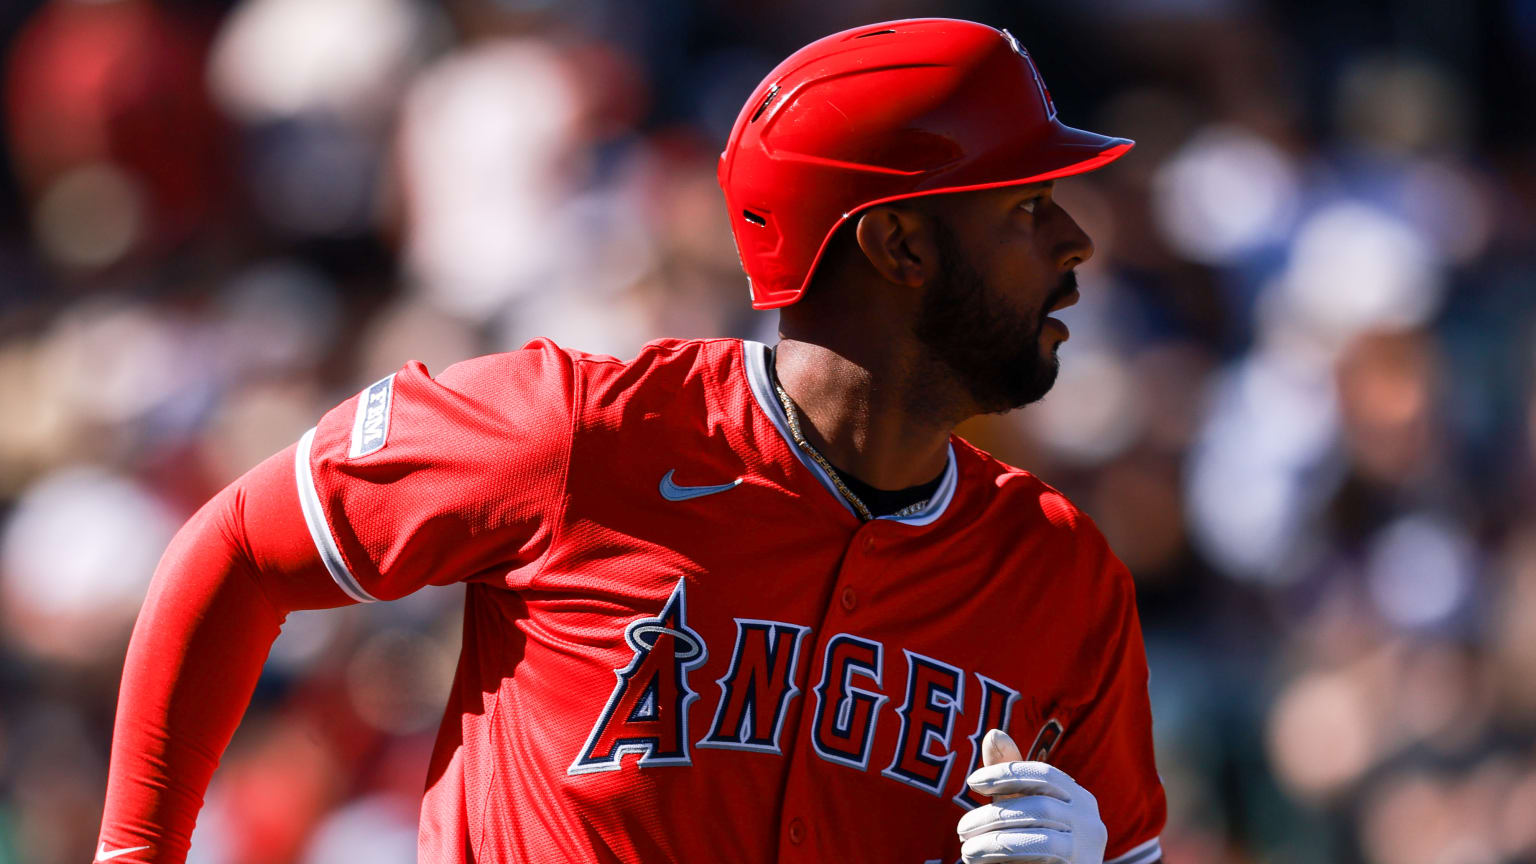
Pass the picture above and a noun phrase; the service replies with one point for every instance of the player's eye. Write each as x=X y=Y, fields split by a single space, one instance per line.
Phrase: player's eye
x=1032 y=203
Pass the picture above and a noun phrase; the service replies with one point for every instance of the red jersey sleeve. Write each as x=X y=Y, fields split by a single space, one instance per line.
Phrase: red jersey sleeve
x=1107 y=746
x=219 y=595
x=416 y=481
x=420 y=480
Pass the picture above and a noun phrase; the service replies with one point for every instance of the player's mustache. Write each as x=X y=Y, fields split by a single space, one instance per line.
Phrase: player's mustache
x=1065 y=286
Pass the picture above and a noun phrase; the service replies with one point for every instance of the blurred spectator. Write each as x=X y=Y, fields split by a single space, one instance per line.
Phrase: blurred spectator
x=111 y=130
x=1298 y=398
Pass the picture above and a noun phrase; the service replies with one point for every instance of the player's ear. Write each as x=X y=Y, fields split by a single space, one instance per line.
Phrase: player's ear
x=899 y=244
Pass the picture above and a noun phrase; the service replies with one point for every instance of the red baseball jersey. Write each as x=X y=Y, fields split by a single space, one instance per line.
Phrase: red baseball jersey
x=681 y=644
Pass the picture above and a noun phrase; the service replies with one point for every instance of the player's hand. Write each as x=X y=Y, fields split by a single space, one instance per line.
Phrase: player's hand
x=1038 y=813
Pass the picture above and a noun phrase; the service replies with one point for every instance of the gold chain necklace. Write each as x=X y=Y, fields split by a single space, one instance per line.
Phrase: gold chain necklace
x=804 y=445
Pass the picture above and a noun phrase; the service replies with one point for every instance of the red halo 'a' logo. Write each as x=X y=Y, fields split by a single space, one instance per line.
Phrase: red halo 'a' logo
x=1045 y=93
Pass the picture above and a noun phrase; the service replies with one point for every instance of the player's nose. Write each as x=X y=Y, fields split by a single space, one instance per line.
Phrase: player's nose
x=1075 y=246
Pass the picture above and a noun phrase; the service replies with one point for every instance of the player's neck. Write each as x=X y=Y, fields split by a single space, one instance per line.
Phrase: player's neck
x=868 y=413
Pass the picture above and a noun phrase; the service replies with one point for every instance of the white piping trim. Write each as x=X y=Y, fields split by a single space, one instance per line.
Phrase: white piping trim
x=941 y=496
x=319 y=528
x=756 y=355
x=1144 y=854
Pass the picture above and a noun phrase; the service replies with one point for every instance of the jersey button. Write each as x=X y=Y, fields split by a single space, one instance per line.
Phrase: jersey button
x=849 y=598
x=796 y=831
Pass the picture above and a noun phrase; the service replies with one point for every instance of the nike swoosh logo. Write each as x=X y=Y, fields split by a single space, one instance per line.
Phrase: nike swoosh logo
x=103 y=855
x=673 y=492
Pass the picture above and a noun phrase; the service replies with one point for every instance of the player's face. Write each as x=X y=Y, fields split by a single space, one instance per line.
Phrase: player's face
x=1006 y=259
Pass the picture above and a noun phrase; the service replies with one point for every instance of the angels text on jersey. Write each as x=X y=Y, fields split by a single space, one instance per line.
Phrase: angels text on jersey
x=647 y=714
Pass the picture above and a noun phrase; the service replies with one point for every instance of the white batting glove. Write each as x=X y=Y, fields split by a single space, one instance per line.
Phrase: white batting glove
x=1038 y=813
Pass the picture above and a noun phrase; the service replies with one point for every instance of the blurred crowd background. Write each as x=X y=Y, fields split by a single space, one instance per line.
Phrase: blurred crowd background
x=1298 y=397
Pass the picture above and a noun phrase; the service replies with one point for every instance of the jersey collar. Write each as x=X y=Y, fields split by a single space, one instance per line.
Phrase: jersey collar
x=757 y=355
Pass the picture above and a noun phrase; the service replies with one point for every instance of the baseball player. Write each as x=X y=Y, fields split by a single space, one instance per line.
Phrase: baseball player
x=726 y=601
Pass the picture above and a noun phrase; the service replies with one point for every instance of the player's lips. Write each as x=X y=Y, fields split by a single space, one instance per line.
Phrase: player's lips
x=1069 y=300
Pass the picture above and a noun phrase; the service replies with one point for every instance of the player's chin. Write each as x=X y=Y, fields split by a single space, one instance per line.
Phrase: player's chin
x=1033 y=379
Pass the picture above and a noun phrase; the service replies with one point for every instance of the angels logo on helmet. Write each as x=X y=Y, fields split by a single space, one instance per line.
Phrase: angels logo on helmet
x=1045 y=92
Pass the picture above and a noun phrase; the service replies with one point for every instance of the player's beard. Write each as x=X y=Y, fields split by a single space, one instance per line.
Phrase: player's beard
x=991 y=348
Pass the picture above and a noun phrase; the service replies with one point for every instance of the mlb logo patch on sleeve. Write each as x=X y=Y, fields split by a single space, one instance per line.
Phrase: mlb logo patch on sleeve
x=370 y=429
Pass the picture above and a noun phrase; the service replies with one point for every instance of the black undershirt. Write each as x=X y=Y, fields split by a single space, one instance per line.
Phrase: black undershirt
x=881 y=502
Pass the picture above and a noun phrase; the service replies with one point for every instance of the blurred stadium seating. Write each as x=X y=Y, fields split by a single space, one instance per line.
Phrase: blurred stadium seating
x=1298 y=396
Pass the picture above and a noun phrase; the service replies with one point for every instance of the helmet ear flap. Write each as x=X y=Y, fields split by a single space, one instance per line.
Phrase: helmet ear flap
x=758 y=240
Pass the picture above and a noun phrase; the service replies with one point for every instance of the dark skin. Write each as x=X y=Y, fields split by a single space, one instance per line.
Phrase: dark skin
x=879 y=402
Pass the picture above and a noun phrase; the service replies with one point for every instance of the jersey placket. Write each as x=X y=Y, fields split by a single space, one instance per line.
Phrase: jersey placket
x=845 y=615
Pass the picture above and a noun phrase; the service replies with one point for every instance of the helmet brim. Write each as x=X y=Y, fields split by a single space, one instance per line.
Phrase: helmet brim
x=1068 y=151
x=1064 y=151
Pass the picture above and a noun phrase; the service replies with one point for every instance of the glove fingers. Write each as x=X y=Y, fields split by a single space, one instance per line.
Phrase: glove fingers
x=1017 y=814
x=1040 y=847
x=1027 y=778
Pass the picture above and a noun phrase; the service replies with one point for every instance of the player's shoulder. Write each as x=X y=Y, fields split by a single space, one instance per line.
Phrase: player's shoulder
x=501 y=365
x=1019 y=492
x=661 y=367
x=599 y=388
x=668 y=353
x=544 y=357
x=1015 y=500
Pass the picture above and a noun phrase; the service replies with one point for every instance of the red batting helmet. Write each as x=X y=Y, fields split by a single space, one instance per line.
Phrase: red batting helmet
x=881 y=113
